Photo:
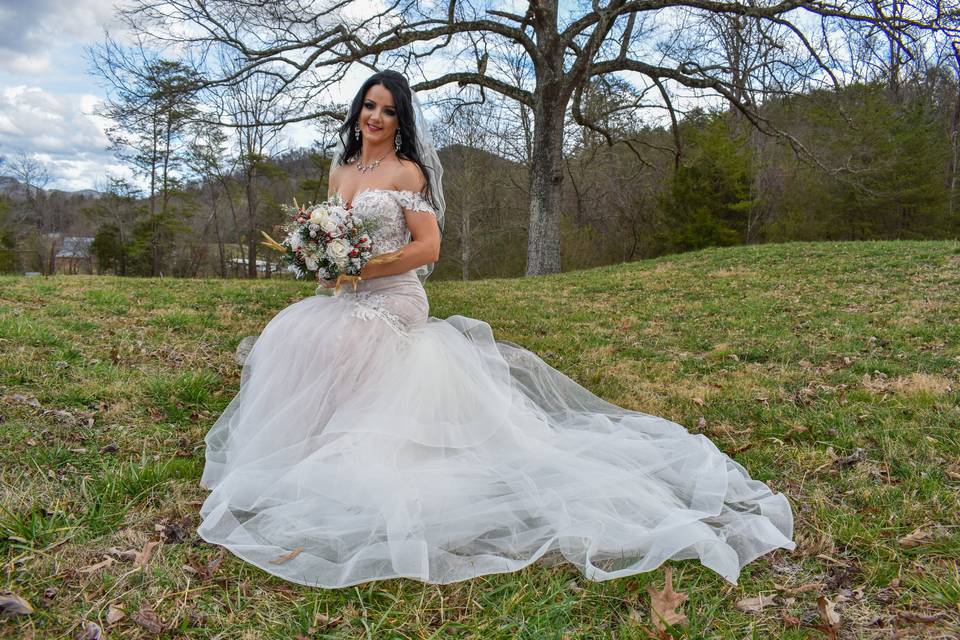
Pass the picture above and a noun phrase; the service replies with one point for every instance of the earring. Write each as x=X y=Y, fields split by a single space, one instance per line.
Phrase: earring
x=397 y=140
x=356 y=130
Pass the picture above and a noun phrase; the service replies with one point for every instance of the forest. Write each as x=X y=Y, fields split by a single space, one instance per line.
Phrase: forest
x=728 y=184
x=795 y=155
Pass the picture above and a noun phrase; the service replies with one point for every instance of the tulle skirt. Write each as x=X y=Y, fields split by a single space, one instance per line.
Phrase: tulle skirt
x=371 y=441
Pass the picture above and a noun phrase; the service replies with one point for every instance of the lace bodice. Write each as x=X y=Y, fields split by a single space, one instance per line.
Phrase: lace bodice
x=384 y=209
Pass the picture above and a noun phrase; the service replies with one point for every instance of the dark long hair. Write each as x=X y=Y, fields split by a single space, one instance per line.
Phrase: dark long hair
x=399 y=88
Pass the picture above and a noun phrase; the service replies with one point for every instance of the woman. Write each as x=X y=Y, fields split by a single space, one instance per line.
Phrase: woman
x=369 y=440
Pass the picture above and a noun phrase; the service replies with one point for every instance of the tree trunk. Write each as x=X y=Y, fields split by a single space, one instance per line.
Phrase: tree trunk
x=220 y=249
x=153 y=168
x=233 y=213
x=465 y=244
x=251 y=224
x=546 y=180
x=954 y=140
x=123 y=250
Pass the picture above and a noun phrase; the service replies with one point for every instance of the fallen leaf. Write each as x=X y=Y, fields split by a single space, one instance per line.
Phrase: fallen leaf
x=923 y=535
x=115 y=614
x=574 y=587
x=96 y=567
x=754 y=605
x=147 y=618
x=19 y=397
x=173 y=532
x=914 y=539
x=13 y=605
x=287 y=556
x=831 y=619
x=121 y=554
x=323 y=620
x=203 y=570
x=858 y=456
x=923 y=619
x=793 y=621
x=663 y=604
x=213 y=565
x=810 y=586
x=142 y=558
x=90 y=631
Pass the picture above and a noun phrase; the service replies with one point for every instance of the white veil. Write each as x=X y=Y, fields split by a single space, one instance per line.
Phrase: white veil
x=431 y=161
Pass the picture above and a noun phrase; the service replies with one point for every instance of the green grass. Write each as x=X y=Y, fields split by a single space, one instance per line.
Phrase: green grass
x=792 y=358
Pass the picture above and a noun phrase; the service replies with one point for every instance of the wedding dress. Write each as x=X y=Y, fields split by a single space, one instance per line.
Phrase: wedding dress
x=368 y=441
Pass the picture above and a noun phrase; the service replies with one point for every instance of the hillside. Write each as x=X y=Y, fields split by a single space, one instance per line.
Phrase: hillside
x=17 y=190
x=830 y=370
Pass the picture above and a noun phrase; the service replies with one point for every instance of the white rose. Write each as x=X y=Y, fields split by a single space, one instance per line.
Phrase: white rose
x=311 y=264
x=338 y=251
x=328 y=224
x=317 y=214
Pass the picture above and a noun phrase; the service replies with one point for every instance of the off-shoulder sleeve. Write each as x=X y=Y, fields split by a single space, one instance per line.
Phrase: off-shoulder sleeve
x=415 y=202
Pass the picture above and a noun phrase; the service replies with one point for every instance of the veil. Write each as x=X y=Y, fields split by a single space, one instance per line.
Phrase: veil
x=431 y=162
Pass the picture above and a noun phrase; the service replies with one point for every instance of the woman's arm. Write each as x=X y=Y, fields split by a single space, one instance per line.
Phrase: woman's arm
x=423 y=248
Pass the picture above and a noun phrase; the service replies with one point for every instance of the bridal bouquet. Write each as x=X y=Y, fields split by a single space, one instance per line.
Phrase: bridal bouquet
x=325 y=241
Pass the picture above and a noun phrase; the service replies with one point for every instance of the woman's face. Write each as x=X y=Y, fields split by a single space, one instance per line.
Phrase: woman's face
x=378 y=115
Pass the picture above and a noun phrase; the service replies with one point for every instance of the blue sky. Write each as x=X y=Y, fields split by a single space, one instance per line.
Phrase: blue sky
x=47 y=96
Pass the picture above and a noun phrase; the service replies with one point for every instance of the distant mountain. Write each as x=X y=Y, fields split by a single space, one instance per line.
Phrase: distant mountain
x=15 y=189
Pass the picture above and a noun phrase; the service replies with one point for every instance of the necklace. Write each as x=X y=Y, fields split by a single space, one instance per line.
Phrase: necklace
x=364 y=168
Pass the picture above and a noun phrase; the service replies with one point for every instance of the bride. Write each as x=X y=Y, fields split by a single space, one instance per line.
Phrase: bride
x=369 y=440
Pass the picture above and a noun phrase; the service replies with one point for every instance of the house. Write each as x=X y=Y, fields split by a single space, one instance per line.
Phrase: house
x=74 y=255
x=239 y=267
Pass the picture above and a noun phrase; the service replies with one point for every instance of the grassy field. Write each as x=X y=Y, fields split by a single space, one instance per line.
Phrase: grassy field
x=830 y=370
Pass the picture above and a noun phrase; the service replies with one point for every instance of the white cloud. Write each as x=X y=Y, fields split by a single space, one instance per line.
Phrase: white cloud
x=35 y=30
x=56 y=129
x=26 y=64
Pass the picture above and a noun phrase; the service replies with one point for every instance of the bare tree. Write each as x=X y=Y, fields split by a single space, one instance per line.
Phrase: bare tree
x=251 y=107
x=33 y=174
x=116 y=212
x=954 y=136
x=309 y=46
x=466 y=127
x=206 y=158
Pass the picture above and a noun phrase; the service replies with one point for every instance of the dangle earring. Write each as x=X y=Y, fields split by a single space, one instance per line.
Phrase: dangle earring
x=356 y=130
x=397 y=139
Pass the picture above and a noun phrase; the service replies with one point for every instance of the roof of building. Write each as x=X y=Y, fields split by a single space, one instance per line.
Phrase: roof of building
x=75 y=247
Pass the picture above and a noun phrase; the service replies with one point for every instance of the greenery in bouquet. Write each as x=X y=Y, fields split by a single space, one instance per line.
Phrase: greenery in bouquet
x=323 y=240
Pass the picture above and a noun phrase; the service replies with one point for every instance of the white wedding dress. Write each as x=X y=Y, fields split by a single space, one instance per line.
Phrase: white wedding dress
x=371 y=441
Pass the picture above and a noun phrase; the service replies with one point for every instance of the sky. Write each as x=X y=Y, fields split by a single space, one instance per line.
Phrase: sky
x=48 y=97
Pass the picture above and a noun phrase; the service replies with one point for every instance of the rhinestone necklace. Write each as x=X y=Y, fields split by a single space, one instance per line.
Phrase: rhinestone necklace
x=364 y=168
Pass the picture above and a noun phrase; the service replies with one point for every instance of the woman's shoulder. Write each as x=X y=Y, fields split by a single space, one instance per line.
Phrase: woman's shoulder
x=409 y=177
